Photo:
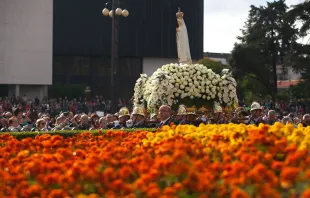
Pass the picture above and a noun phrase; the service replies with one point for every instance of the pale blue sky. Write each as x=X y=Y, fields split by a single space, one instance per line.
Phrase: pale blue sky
x=223 y=20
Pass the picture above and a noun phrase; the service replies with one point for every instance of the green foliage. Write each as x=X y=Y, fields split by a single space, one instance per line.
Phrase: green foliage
x=266 y=39
x=214 y=65
x=71 y=91
x=250 y=70
x=300 y=91
x=250 y=89
x=299 y=56
x=66 y=134
x=283 y=95
x=301 y=12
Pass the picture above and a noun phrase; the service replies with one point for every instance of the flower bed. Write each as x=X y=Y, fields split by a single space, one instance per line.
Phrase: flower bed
x=183 y=161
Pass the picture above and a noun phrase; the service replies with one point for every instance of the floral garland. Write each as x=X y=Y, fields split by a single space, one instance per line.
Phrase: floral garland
x=138 y=90
x=228 y=84
x=173 y=83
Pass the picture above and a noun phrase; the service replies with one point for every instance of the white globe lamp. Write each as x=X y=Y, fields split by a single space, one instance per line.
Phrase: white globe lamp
x=105 y=12
x=118 y=11
x=125 y=13
x=111 y=13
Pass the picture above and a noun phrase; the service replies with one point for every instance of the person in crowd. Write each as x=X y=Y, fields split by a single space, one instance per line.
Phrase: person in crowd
x=138 y=117
x=94 y=121
x=103 y=122
x=61 y=122
x=115 y=117
x=240 y=117
x=40 y=125
x=27 y=126
x=8 y=115
x=110 y=121
x=13 y=125
x=287 y=120
x=181 y=117
x=306 y=120
x=202 y=115
x=296 y=121
x=191 y=116
x=18 y=113
x=256 y=111
x=84 y=123
x=123 y=117
x=47 y=120
x=165 y=114
x=154 y=117
x=218 y=116
x=30 y=111
x=271 y=118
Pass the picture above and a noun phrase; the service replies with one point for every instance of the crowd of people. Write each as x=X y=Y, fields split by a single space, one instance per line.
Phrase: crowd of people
x=18 y=114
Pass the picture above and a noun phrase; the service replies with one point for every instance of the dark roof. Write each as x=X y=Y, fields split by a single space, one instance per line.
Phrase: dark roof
x=216 y=55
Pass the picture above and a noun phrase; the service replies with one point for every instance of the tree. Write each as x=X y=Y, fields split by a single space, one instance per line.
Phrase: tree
x=266 y=39
x=248 y=65
x=301 y=13
x=298 y=91
x=214 y=65
x=299 y=55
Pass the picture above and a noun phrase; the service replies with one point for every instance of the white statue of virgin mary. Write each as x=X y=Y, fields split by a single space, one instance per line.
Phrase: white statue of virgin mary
x=184 y=53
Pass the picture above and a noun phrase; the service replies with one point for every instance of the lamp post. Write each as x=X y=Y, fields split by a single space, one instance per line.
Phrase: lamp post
x=113 y=13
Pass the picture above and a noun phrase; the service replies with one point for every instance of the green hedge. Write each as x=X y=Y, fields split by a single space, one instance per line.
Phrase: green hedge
x=22 y=135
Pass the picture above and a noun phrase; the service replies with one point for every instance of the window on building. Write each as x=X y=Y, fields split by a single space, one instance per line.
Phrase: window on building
x=101 y=66
x=58 y=66
x=80 y=66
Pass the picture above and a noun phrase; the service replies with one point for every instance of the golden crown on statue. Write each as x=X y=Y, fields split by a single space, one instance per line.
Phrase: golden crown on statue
x=179 y=14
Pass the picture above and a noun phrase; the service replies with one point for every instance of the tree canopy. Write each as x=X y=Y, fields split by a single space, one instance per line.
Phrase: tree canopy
x=301 y=13
x=266 y=39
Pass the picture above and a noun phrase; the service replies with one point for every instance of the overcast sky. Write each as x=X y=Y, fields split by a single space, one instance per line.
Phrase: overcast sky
x=223 y=20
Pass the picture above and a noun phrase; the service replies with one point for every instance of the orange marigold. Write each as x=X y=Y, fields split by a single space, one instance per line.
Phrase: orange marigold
x=238 y=193
x=306 y=194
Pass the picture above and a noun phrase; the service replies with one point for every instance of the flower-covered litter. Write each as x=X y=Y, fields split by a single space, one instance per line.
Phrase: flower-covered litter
x=173 y=83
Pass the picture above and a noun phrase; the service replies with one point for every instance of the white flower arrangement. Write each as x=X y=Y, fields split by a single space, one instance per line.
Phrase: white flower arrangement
x=173 y=83
x=138 y=90
x=227 y=92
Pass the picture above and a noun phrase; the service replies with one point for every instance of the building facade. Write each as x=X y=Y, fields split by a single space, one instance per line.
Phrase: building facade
x=64 y=42
x=26 y=47
x=221 y=57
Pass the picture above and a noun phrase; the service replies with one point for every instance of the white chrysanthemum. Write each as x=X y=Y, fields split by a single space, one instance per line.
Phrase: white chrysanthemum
x=174 y=81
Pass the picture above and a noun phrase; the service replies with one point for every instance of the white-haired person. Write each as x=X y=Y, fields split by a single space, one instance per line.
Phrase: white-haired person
x=287 y=120
x=84 y=122
x=271 y=117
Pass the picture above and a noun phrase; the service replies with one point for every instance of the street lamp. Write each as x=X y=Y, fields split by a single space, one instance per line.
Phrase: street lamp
x=115 y=11
x=118 y=11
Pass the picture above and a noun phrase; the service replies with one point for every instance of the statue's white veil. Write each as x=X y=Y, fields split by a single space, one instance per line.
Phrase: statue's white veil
x=183 y=44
